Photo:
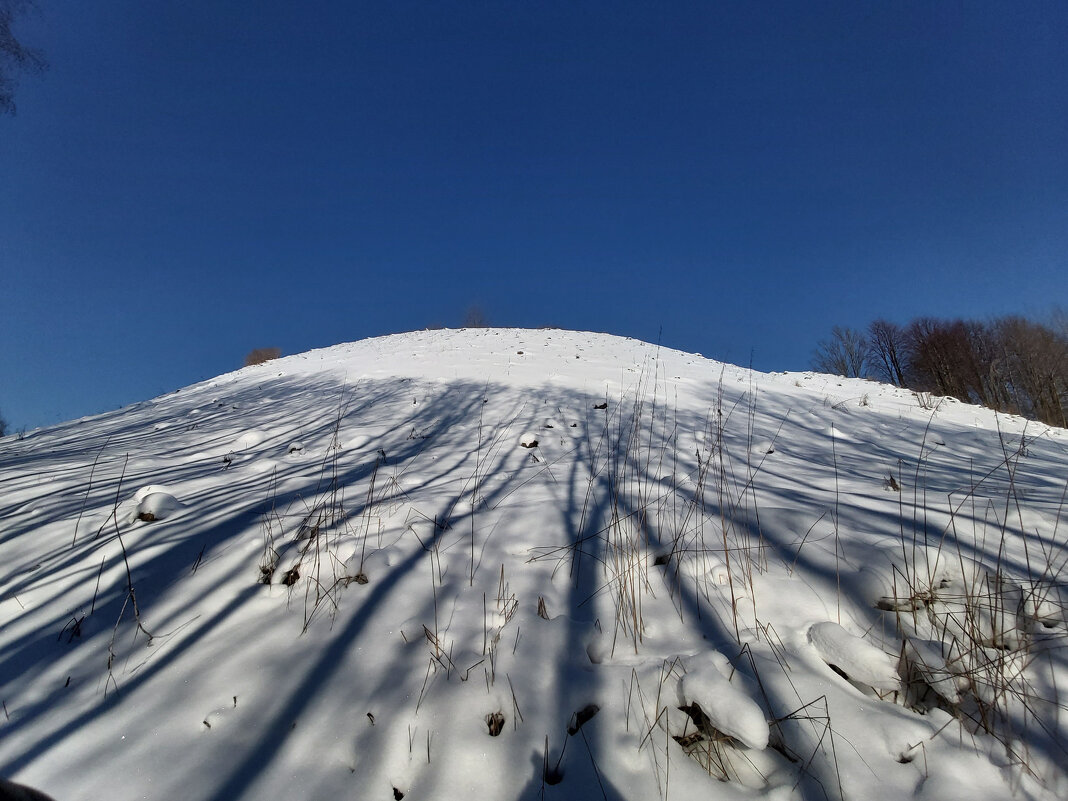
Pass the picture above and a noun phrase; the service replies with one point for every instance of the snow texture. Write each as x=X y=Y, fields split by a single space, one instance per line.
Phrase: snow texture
x=350 y=573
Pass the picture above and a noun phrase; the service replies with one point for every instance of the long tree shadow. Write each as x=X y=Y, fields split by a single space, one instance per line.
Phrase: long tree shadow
x=623 y=471
x=229 y=512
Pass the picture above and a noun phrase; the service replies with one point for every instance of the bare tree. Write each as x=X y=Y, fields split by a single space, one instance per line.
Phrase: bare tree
x=887 y=343
x=1034 y=368
x=1059 y=322
x=846 y=353
x=15 y=57
x=936 y=349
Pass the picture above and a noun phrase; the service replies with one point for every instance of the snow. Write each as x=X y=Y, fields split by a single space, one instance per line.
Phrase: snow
x=515 y=564
x=730 y=710
x=860 y=661
x=151 y=503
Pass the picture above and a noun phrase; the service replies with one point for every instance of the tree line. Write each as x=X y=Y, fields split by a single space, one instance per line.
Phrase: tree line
x=1011 y=364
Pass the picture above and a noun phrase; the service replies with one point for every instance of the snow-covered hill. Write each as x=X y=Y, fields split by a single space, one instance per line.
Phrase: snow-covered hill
x=507 y=564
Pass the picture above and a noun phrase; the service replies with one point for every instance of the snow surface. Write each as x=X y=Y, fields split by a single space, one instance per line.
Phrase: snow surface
x=853 y=656
x=730 y=711
x=350 y=573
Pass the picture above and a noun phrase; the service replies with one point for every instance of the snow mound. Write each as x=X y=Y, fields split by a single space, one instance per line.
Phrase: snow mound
x=366 y=586
x=729 y=709
x=249 y=439
x=149 y=504
x=859 y=660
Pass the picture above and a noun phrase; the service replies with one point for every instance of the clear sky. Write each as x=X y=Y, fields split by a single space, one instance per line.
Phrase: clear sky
x=192 y=180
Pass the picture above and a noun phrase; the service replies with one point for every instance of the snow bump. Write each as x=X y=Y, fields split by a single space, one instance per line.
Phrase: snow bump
x=855 y=657
x=728 y=708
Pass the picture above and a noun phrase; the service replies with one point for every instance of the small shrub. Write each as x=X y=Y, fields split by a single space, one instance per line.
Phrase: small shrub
x=261 y=355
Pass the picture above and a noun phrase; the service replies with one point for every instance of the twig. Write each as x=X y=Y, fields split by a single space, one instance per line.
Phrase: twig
x=88 y=489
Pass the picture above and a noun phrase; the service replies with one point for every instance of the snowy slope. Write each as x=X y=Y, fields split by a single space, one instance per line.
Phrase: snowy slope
x=512 y=564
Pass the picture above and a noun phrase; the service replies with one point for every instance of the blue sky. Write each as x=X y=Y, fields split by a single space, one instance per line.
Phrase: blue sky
x=192 y=180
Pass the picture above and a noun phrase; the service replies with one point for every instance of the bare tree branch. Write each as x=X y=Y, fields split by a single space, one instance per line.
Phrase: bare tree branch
x=846 y=353
x=15 y=57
